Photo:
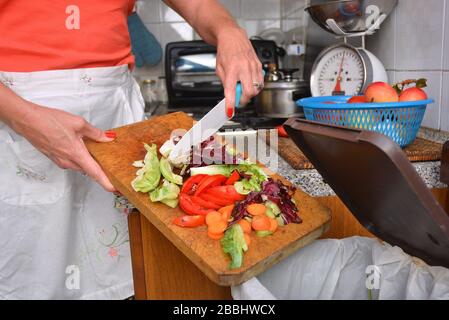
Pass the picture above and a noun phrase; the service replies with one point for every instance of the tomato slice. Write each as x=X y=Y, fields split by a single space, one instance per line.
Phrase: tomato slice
x=204 y=203
x=189 y=221
x=210 y=181
x=227 y=192
x=217 y=200
x=233 y=178
x=282 y=132
x=191 y=208
x=191 y=183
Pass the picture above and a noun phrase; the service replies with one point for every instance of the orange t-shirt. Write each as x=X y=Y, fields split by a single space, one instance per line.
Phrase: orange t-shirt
x=64 y=34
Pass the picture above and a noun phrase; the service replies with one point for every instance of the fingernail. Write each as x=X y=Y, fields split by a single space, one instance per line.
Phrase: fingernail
x=110 y=134
x=230 y=112
x=118 y=193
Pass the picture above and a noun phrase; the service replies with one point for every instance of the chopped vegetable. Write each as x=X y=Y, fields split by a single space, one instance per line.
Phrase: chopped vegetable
x=222 y=202
x=167 y=191
x=213 y=217
x=233 y=178
x=218 y=226
x=256 y=209
x=189 y=221
x=149 y=175
x=227 y=192
x=234 y=244
x=263 y=233
x=191 y=184
x=245 y=225
x=210 y=181
x=189 y=207
x=273 y=225
x=261 y=223
x=204 y=203
x=167 y=172
x=226 y=212
x=277 y=193
x=252 y=173
x=215 y=236
x=172 y=203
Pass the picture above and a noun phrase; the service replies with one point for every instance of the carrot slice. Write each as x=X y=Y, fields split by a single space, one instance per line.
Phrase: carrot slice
x=261 y=223
x=245 y=225
x=213 y=217
x=216 y=236
x=273 y=225
x=226 y=212
x=218 y=227
x=247 y=239
x=256 y=209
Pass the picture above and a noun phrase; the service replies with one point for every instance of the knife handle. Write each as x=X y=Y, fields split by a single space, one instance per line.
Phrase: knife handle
x=238 y=94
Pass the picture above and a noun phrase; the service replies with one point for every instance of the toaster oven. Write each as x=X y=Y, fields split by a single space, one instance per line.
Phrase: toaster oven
x=190 y=71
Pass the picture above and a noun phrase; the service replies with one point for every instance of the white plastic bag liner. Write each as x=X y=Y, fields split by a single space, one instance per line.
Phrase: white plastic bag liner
x=351 y=268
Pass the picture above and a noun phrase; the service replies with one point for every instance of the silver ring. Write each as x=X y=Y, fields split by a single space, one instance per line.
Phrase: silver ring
x=258 y=85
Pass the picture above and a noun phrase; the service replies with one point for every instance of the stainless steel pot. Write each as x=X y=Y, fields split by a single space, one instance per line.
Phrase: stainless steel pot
x=278 y=98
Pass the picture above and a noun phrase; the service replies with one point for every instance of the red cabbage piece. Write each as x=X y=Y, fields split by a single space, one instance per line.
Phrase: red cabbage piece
x=274 y=191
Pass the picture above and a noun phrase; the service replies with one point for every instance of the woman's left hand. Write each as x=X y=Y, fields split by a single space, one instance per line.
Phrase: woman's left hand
x=237 y=61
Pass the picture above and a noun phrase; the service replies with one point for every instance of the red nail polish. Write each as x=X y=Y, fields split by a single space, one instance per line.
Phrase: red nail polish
x=230 y=112
x=111 y=134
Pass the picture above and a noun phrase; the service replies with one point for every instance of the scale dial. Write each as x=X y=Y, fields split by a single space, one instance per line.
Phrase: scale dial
x=339 y=70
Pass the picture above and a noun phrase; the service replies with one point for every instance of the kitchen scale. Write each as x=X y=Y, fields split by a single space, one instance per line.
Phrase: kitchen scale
x=343 y=69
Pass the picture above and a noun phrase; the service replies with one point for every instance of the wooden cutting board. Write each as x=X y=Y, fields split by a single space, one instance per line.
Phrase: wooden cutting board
x=420 y=150
x=116 y=159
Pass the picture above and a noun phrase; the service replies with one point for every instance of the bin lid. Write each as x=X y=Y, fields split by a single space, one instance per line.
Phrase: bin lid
x=379 y=185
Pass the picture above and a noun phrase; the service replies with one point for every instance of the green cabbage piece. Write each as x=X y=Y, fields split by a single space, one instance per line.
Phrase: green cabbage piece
x=167 y=191
x=167 y=172
x=149 y=175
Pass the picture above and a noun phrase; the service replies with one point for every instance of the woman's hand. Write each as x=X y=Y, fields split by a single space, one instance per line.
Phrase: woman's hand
x=59 y=135
x=237 y=61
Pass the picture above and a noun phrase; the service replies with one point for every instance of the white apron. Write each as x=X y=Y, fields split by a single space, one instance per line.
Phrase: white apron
x=60 y=235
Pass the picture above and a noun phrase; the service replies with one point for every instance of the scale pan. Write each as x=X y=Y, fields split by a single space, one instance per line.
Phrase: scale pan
x=351 y=16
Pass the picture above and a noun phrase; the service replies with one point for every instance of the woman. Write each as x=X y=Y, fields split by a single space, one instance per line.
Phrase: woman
x=64 y=72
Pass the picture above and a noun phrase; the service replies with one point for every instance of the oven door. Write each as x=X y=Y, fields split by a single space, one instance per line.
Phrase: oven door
x=190 y=74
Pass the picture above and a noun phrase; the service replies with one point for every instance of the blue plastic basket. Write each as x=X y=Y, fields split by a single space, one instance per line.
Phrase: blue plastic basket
x=398 y=120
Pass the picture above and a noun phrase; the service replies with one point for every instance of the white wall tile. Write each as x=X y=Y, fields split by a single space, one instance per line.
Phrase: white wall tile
x=289 y=24
x=254 y=27
x=419 y=34
x=382 y=43
x=169 y=15
x=177 y=31
x=446 y=38
x=432 y=115
x=445 y=103
x=260 y=9
x=155 y=29
x=293 y=8
x=233 y=7
x=149 y=11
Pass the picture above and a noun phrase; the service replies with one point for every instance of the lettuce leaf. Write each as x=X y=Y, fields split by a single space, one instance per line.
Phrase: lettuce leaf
x=234 y=244
x=167 y=191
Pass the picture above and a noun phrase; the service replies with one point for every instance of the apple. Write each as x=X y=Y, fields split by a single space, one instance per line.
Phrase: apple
x=357 y=99
x=381 y=92
x=412 y=94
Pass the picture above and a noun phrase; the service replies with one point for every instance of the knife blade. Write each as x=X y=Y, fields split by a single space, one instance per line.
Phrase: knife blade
x=206 y=127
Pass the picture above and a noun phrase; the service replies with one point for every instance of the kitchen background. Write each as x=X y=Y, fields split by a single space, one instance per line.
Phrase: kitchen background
x=412 y=43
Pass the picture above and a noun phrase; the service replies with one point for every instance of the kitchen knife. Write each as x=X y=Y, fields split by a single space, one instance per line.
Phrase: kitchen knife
x=206 y=127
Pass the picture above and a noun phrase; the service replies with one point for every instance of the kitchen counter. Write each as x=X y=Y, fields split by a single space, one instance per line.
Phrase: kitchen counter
x=310 y=181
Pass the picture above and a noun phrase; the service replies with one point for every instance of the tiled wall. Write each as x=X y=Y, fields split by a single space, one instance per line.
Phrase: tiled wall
x=253 y=15
x=414 y=43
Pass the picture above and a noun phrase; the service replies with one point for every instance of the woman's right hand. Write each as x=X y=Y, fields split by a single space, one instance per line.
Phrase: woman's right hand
x=59 y=135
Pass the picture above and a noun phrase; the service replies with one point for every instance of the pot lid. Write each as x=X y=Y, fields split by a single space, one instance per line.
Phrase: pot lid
x=283 y=84
x=379 y=185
